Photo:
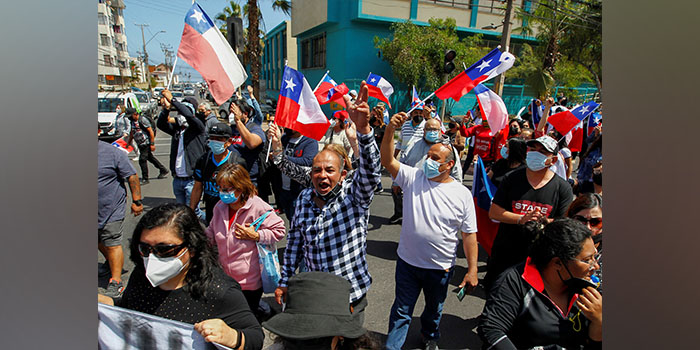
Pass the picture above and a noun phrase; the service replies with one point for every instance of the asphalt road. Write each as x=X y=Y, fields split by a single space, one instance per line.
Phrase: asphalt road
x=459 y=319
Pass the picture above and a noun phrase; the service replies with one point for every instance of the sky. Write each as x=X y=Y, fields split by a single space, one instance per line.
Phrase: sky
x=170 y=16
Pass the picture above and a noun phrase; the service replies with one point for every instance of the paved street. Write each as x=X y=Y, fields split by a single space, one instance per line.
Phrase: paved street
x=459 y=320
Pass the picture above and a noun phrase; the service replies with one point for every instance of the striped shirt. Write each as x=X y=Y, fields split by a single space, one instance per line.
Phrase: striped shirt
x=408 y=131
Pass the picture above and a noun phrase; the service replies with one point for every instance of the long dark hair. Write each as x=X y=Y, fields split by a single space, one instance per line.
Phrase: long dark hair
x=517 y=151
x=182 y=220
x=562 y=238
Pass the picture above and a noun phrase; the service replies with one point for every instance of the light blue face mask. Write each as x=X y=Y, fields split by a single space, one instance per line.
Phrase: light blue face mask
x=504 y=152
x=535 y=160
x=432 y=136
x=431 y=168
x=227 y=197
x=217 y=147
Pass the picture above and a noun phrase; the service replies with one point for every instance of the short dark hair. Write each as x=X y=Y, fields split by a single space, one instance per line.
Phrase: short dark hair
x=186 y=225
x=243 y=106
x=585 y=201
x=562 y=238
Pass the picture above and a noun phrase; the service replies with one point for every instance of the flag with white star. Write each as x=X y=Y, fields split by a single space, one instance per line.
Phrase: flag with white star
x=205 y=49
x=379 y=87
x=566 y=120
x=297 y=106
x=488 y=67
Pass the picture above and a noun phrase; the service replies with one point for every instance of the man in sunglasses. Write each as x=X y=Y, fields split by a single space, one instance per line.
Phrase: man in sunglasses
x=439 y=211
x=534 y=193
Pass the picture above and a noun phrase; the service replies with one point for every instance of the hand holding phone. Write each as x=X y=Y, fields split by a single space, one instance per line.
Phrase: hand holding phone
x=462 y=293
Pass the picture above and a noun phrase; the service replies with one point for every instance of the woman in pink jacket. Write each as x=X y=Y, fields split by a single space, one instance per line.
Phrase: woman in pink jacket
x=231 y=232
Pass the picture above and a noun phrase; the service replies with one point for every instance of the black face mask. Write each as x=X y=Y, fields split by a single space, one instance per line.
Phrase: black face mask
x=575 y=284
x=417 y=118
x=288 y=132
x=330 y=195
x=598 y=179
x=200 y=115
x=598 y=239
x=513 y=130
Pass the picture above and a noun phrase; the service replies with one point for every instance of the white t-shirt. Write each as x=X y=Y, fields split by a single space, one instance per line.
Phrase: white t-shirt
x=559 y=167
x=180 y=167
x=434 y=215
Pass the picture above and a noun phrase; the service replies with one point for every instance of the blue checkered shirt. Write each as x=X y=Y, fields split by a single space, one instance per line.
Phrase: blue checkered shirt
x=334 y=238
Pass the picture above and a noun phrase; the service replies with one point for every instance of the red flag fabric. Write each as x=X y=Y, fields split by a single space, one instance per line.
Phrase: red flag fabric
x=576 y=139
x=328 y=91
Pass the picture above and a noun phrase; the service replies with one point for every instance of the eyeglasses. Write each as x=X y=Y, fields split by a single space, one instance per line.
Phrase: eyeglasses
x=594 y=222
x=591 y=261
x=432 y=129
x=160 y=250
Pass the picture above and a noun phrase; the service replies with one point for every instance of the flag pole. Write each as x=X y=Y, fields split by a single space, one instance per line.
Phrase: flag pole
x=170 y=78
x=319 y=82
x=269 y=144
x=422 y=102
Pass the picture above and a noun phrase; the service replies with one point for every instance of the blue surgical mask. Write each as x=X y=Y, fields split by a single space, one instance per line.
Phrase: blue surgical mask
x=227 y=197
x=504 y=152
x=432 y=136
x=431 y=168
x=535 y=160
x=217 y=147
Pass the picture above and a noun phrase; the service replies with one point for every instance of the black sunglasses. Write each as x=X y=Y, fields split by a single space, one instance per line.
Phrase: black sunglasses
x=160 y=250
x=594 y=222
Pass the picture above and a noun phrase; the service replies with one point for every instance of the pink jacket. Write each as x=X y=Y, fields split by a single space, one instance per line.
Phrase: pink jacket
x=239 y=258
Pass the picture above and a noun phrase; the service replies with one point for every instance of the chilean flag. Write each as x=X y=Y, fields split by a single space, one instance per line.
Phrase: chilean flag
x=298 y=108
x=576 y=138
x=205 y=49
x=328 y=91
x=483 y=191
x=593 y=121
x=121 y=144
x=536 y=113
x=415 y=100
x=566 y=120
x=492 y=108
x=379 y=87
x=489 y=66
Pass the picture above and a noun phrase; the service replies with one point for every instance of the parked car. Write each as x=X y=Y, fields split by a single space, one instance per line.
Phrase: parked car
x=149 y=106
x=107 y=103
x=189 y=91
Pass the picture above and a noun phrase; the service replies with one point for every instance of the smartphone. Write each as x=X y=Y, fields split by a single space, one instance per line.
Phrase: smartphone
x=462 y=293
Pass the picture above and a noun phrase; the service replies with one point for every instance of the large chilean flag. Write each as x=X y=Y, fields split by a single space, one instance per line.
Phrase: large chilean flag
x=483 y=190
x=205 y=49
x=566 y=120
x=492 y=108
x=298 y=108
x=328 y=91
x=379 y=87
x=489 y=66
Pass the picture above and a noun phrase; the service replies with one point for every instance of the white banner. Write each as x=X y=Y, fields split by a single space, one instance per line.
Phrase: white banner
x=122 y=329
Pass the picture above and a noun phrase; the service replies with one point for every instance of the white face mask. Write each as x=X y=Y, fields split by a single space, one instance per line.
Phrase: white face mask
x=160 y=270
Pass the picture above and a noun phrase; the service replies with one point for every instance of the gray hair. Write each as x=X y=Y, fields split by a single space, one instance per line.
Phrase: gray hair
x=206 y=105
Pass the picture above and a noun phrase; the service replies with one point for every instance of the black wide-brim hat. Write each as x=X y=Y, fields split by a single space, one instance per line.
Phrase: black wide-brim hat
x=317 y=307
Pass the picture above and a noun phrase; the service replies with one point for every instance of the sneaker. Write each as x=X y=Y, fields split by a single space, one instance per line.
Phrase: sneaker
x=431 y=345
x=395 y=219
x=114 y=289
x=378 y=190
x=145 y=182
x=163 y=174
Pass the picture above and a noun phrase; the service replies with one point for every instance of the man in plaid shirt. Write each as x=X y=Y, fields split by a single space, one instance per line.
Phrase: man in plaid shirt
x=329 y=227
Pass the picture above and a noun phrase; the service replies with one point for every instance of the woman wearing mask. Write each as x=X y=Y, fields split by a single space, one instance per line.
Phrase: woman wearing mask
x=588 y=209
x=232 y=233
x=513 y=159
x=178 y=277
x=548 y=301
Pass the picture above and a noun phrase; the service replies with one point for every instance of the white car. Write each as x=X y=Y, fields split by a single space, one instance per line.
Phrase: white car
x=107 y=103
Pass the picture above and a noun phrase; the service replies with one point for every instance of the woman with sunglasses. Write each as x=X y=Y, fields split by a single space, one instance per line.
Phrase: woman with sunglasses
x=588 y=209
x=177 y=276
x=232 y=232
x=548 y=300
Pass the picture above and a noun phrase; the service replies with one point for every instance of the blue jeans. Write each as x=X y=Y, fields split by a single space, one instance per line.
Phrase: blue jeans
x=183 y=191
x=410 y=280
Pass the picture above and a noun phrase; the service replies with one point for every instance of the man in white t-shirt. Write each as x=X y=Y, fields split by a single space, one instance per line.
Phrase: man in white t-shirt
x=438 y=211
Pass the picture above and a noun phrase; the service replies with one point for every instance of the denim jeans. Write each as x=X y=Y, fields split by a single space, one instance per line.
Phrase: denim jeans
x=183 y=191
x=410 y=280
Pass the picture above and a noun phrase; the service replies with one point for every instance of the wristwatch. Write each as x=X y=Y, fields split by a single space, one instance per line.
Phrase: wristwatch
x=138 y=202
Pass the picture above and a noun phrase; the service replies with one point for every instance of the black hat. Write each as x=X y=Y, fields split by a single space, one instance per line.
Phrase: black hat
x=220 y=129
x=130 y=111
x=318 y=306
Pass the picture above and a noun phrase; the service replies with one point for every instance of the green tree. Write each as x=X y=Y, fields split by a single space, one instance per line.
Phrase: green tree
x=416 y=53
x=582 y=42
x=233 y=9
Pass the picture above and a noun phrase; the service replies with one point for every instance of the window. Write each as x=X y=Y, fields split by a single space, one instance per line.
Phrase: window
x=108 y=60
x=117 y=28
x=313 y=52
x=122 y=64
x=101 y=18
x=105 y=40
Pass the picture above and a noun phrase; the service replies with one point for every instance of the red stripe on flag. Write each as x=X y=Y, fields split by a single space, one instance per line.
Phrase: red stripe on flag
x=286 y=116
x=199 y=54
x=563 y=121
x=377 y=92
x=458 y=87
x=487 y=229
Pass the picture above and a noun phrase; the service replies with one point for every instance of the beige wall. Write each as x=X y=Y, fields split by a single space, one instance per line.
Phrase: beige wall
x=291 y=48
x=307 y=14
x=426 y=11
x=387 y=8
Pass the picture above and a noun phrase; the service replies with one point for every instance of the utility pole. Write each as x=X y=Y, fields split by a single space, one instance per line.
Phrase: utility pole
x=505 y=43
x=145 y=57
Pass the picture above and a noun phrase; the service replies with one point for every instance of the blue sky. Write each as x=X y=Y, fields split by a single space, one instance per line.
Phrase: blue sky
x=170 y=16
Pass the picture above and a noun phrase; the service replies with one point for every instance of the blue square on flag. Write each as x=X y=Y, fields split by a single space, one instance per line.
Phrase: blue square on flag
x=292 y=82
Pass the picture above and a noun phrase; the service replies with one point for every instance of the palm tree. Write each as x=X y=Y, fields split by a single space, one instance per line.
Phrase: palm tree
x=282 y=5
x=233 y=9
x=253 y=45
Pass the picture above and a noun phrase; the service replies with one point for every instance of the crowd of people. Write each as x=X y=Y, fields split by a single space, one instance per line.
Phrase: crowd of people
x=197 y=259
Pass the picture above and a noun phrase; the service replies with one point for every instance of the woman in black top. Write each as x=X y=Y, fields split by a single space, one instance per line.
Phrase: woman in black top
x=545 y=302
x=178 y=277
x=514 y=158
